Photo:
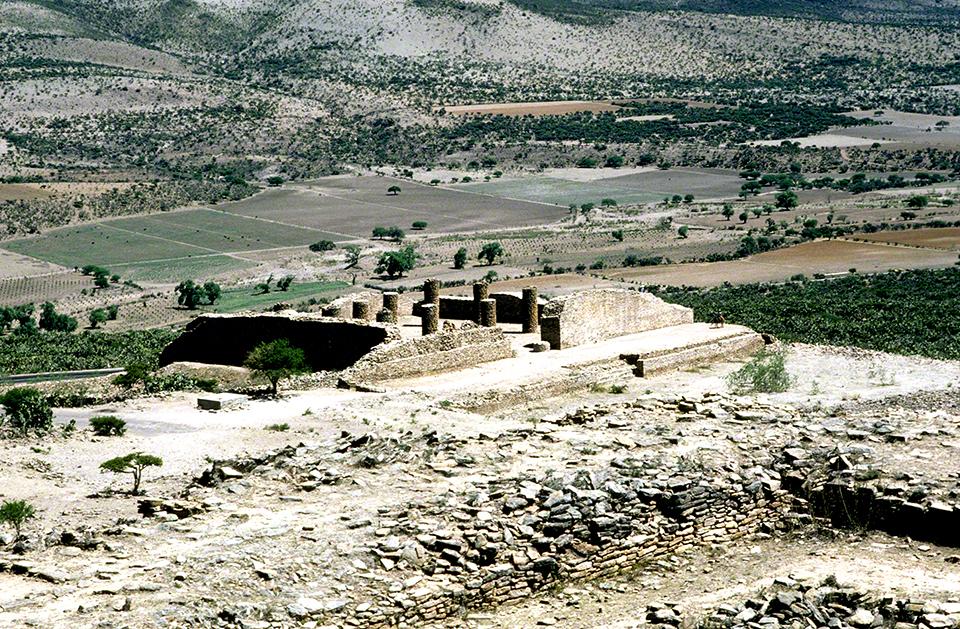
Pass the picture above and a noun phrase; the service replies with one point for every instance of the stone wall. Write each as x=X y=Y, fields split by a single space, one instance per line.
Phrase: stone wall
x=572 y=526
x=595 y=315
x=459 y=308
x=652 y=363
x=445 y=350
x=226 y=339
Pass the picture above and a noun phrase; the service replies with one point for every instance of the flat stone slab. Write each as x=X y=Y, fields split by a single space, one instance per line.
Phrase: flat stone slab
x=219 y=401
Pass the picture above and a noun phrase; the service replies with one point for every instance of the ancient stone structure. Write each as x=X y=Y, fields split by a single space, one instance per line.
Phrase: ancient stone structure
x=361 y=310
x=440 y=351
x=510 y=307
x=430 y=318
x=595 y=315
x=488 y=313
x=481 y=291
x=431 y=292
x=385 y=316
x=226 y=339
x=530 y=310
x=391 y=303
x=333 y=310
x=736 y=344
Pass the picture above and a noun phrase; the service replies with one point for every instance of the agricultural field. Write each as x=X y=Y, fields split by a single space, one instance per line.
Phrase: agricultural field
x=163 y=247
x=827 y=257
x=351 y=206
x=903 y=312
x=941 y=238
x=634 y=188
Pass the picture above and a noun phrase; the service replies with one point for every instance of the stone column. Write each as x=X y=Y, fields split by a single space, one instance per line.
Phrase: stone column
x=530 y=310
x=333 y=311
x=361 y=310
x=430 y=319
x=488 y=313
x=391 y=303
x=481 y=291
x=431 y=292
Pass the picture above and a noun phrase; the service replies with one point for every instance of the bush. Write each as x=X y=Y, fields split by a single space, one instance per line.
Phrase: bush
x=765 y=373
x=27 y=410
x=323 y=245
x=108 y=426
x=16 y=513
x=133 y=464
x=278 y=427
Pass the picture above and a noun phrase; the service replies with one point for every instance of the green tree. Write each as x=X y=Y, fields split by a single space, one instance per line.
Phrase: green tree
x=352 y=255
x=133 y=464
x=396 y=263
x=688 y=198
x=276 y=360
x=419 y=225
x=97 y=316
x=26 y=410
x=189 y=294
x=490 y=252
x=284 y=282
x=101 y=278
x=617 y=235
x=379 y=232
x=460 y=258
x=113 y=310
x=393 y=190
x=16 y=513
x=53 y=321
x=743 y=217
x=918 y=201
x=395 y=233
x=608 y=202
x=787 y=199
x=212 y=292
x=727 y=211
x=683 y=231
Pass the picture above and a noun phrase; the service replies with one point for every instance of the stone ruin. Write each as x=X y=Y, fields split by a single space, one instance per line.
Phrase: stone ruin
x=360 y=334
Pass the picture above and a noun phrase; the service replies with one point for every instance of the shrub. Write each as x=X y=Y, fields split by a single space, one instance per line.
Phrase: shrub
x=765 y=373
x=323 y=245
x=278 y=427
x=16 y=513
x=27 y=410
x=460 y=258
x=108 y=426
x=419 y=225
x=133 y=464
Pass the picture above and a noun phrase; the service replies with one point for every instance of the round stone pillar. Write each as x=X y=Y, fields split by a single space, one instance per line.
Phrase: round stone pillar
x=530 y=310
x=481 y=291
x=361 y=310
x=488 y=313
x=431 y=292
x=391 y=303
x=430 y=318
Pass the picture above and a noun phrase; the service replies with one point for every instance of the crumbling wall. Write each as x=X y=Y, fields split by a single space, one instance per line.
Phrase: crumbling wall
x=594 y=315
x=226 y=339
x=445 y=350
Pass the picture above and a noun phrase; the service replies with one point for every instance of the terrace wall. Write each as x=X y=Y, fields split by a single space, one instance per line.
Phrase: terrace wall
x=443 y=351
x=596 y=315
x=226 y=339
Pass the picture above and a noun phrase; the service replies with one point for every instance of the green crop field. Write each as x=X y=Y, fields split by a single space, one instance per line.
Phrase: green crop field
x=247 y=298
x=163 y=247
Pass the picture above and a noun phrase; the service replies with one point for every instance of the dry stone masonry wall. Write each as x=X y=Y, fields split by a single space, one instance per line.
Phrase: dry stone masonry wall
x=596 y=315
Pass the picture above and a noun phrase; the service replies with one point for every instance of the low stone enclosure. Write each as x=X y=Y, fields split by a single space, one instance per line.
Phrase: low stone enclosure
x=368 y=351
x=345 y=337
